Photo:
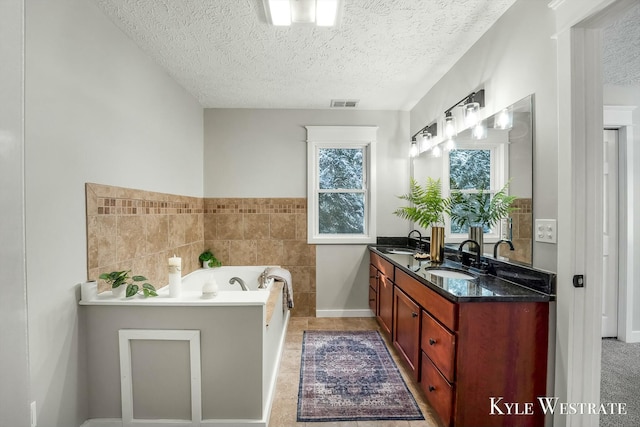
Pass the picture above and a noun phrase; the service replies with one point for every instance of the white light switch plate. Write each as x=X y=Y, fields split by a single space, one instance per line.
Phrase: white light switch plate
x=546 y=230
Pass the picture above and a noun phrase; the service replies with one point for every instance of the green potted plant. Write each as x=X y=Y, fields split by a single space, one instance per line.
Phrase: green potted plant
x=121 y=280
x=480 y=211
x=427 y=209
x=208 y=260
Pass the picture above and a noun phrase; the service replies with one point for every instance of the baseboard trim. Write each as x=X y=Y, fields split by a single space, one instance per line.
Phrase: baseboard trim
x=345 y=313
x=633 y=337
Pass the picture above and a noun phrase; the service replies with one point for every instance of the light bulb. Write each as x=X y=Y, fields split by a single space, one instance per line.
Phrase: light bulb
x=479 y=131
x=503 y=120
x=449 y=126
x=450 y=145
x=471 y=114
x=425 y=141
x=413 y=151
x=437 y=152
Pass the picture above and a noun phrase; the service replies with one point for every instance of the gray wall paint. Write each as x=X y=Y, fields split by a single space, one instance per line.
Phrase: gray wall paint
x=263 y=153
x=97 y=110
x=630 y=96
x=515 y=58
x=14 y=353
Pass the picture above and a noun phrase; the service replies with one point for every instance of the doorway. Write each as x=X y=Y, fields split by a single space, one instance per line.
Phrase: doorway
x=580 y=27
x=610 y=234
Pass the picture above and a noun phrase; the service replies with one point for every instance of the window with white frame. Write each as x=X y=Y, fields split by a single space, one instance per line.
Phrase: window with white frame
x=470 y=169
x=341 y=184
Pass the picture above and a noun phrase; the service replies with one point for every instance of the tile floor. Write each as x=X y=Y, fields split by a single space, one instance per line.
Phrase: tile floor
x=284 y=409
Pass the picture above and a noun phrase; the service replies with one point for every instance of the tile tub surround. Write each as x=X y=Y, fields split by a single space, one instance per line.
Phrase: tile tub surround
x=522 y=223
x=139 y=230
x=265 y=231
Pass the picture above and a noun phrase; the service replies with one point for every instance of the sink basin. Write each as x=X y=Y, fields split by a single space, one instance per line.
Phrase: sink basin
x=399 y=251
x=451 y=274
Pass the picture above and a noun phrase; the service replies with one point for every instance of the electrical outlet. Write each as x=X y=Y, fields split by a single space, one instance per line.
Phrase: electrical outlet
x=546 y=230
x=34 y=416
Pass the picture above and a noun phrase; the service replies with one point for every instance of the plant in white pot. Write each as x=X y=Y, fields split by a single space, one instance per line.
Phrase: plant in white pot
x=121 y=284
x=209 y=260
x=427 y=209
x=480 y=211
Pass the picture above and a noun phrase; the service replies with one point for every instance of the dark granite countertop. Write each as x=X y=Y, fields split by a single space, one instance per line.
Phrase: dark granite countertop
x=482 y=288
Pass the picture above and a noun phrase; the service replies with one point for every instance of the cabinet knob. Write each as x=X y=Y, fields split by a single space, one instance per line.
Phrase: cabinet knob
x=431 y=388
x=372 y=299
x=432 y=341
x=413 y=314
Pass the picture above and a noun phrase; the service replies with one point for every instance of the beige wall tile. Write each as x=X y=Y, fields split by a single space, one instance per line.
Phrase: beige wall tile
x=229 y=226
x=157 y=233
x=283 y=226
x=243 y=252
x=270 y=252
x=130 y=240
x=256 y=226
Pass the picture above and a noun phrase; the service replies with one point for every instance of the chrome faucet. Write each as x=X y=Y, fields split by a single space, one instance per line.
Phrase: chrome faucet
x=262 y=280
x=495 y=247
x=460 y=254
x=240 y=282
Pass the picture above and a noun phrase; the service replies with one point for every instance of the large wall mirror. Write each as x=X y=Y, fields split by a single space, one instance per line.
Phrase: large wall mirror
x=510 y=160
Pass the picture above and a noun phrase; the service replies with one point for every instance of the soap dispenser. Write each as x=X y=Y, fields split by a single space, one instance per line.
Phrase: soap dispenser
x=210 y=287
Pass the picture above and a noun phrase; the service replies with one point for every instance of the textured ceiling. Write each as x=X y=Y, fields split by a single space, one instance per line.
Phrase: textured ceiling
x=386 y=53
x=622 y=50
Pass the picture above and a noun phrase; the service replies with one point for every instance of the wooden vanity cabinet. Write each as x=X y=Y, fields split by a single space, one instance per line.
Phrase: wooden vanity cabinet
x=463 y=354
x=384 y=295
x=406 y=330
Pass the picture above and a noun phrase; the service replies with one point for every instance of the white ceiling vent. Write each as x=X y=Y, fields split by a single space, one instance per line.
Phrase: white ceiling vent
x=344 y=103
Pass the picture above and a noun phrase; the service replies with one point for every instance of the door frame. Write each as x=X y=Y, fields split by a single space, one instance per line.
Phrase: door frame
x=620 y=118
x=579 y=25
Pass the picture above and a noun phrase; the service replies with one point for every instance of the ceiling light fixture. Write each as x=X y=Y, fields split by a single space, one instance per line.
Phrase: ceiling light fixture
x=413 y=151
x=423 y=139
x=323 y=13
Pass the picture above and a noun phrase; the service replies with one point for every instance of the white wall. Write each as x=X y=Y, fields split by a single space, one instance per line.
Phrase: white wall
x=263 y=153
x=515 y=58
x=97 y=110
x=630 y=96
x=14 y=357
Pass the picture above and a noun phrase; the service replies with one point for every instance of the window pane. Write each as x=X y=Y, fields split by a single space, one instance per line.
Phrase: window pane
x=475 y=203
x=341 y=213
x=470 y=169
x=341 y=168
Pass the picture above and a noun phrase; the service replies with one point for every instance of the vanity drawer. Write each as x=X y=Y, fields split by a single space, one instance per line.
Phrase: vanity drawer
x=437 y=390
x=445 y=311
x=439 y=344
x=383 y=265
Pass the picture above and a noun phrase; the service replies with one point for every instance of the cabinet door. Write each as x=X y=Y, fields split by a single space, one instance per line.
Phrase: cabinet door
x=373 y=289
x=385 y=303
x=406 y=329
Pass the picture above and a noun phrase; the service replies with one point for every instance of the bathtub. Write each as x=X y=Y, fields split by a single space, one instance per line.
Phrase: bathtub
x=231 y=344
x=194 y=281
x=191 y=289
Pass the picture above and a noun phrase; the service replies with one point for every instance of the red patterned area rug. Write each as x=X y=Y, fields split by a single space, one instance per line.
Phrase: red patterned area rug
x=350 y=376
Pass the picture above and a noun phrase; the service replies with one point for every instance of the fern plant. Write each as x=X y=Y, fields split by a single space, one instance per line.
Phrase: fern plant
x=480 y=209
x=427 y=204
